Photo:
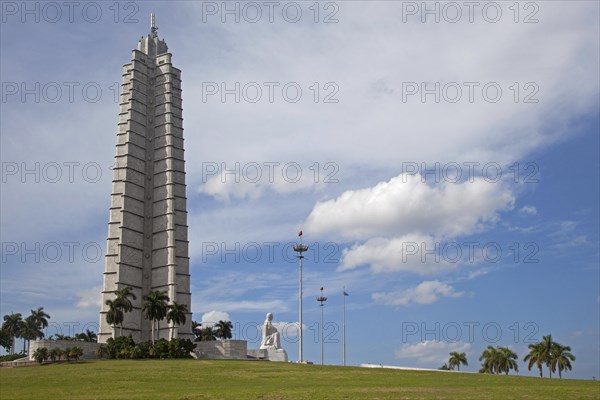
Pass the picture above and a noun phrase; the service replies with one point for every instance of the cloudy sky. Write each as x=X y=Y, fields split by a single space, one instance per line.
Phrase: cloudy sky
x=442 y=162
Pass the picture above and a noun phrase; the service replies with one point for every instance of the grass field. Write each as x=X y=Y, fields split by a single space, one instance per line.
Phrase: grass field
x=192 y=379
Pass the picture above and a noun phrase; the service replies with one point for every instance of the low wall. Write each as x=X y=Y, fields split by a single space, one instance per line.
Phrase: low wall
x=89 y=348
x=222 y=350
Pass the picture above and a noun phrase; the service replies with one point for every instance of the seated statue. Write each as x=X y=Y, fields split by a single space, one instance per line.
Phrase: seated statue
x=270 y=336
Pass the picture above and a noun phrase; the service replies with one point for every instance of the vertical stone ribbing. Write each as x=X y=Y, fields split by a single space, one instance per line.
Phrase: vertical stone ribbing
x=147 y=246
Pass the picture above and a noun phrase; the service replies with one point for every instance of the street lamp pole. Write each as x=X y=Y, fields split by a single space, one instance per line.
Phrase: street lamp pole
x=344 y=294
x=322 y=299
x=300 y=248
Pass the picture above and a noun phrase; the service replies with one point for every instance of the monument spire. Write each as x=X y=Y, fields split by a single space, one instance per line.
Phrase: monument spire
x=153 y=27
x=147 y=244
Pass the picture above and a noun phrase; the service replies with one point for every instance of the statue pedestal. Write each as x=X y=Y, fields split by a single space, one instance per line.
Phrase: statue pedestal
x=269 y=354
x=277 y=355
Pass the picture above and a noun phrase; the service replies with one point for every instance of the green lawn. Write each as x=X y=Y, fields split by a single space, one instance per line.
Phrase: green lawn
x=192 y=379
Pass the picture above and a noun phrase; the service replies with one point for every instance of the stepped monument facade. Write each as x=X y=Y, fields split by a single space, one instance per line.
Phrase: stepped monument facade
x=147 y=245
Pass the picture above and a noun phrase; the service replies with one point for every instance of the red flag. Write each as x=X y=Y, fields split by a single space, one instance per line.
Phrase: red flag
x=321 y=289
x=300 y=233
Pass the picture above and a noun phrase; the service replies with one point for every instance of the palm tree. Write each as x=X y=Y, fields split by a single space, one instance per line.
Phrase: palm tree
x=60 y=336
x=37 y=321
x=5 y=339
x=535 y=356
x=114 y=315
x=176 y=315
x=87 y=336
x=546 y=347
x=122 y=297
x=223 y=329
x=456 y=359
x=507 y=360
x=196 y=327
x=40 y=317
x=12 y=326
x=207 y=334
x=490 y=360
x=29 y=331
x=561 y=358
x=155 y=308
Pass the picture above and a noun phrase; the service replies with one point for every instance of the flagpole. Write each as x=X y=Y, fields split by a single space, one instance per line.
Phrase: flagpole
x=300 y=249
x=344 y=329
x=322 y=299
x=301 y=359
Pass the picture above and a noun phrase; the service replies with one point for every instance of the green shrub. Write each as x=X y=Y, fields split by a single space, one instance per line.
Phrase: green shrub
x=102 y=351
x=114 y=346
x=181 y=348
x=73 y=353
x=56 y=354
x=12 y=357
x=141 y=350
x=160 y=349
x=41 y=354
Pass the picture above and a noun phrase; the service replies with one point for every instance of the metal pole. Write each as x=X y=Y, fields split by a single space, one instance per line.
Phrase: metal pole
x=344 y=329
x=300 y=249
x=321 y=333
x=300 y=305
x=322 y=299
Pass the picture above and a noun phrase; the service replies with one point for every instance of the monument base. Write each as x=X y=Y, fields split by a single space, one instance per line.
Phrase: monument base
x=221 y=350
x=268 y=354
x=277 y=355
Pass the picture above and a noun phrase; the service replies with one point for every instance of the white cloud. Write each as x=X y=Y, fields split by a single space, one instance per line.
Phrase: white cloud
x=289 y=330
x=406 y=253
x=430 y=352
x=528 y=210
x=250 y=180
x=579 y=240
x=406 y=205
x=90 y=298
x=212 y=317
x=427 y=292
x=244 y=305
x=403 y=219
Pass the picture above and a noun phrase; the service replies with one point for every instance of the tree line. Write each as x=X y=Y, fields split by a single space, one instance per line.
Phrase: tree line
x=155 y=307
x=30 y=328
x=497 y=360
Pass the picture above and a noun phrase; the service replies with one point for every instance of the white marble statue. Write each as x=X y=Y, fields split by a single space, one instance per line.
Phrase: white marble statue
x=270 y=336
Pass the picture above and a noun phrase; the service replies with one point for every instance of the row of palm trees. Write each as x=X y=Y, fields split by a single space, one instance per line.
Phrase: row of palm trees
x=553 y=354
x=87 y=336
x=497 y=360
x=156 y=306
x=30 y=328
x=221 y=330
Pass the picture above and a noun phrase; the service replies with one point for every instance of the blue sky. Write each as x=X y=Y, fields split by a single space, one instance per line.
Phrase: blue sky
x=366 y=120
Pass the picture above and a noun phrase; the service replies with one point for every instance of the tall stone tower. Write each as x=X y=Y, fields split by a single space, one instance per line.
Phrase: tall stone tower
x=147 y=246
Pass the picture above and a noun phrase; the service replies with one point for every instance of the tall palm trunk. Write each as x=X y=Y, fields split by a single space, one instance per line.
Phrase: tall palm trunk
x=153 y=330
